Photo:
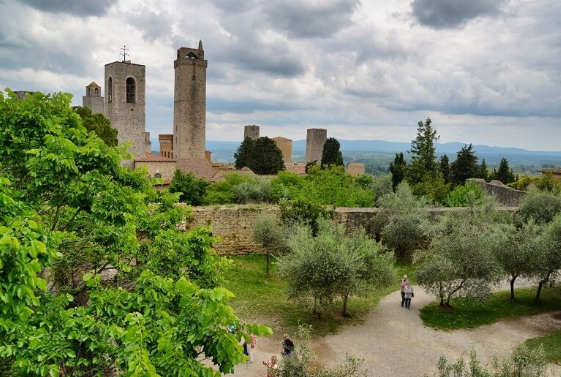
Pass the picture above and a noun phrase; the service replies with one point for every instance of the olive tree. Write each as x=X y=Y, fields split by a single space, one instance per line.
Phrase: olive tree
x=542 y=206
x=459 y=260
x=548 y=253
x=267 y=231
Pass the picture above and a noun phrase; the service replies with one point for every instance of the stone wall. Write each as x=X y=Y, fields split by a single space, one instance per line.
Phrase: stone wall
x=504 y=194
x=233 y=223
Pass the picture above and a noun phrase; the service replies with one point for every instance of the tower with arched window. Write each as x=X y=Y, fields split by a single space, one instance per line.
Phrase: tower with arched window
x=125 y=103
x=93 y=99
x=189 y=107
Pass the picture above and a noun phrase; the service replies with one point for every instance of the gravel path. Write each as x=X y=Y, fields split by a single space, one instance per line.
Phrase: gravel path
x=394 y=342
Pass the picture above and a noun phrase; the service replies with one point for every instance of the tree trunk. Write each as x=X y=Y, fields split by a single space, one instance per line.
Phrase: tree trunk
x=512 y=287
x=441 y=295
x=267 y=273
x=345 y=307
x=540 y=285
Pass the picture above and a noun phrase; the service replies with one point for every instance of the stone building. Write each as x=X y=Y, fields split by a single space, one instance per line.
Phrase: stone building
x=93 y=99
x=315 y=139
x=355 y=168
x=189 y=106
x=285 y=146
x=166 y=145
x=251 y=131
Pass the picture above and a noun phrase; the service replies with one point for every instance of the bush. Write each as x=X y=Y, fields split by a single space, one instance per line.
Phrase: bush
x=192 y=189
x=468 y=195
x=257 y=190
x=541 y=206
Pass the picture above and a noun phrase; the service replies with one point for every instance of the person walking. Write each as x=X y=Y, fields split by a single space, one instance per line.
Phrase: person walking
x=272 y=366
x=251 y=347
x=402 y=285
x=409 y=294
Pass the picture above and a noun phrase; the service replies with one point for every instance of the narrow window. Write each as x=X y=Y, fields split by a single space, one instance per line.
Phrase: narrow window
x=193 y=78
x=110 y=89
x=96 y=92
x=89 y=91
x=157 y=175
x=131 y=89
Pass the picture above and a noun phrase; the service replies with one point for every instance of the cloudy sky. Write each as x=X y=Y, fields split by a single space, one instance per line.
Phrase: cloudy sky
x=486 y=71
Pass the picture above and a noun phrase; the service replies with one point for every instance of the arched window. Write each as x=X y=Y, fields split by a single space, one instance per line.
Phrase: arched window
x=110 y=89
x=96 y=92
x=131 y=90
x=89 y=91
x=191 y=56
x=157 y=175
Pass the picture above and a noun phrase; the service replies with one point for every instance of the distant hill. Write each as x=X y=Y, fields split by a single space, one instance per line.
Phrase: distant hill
x=223 y=151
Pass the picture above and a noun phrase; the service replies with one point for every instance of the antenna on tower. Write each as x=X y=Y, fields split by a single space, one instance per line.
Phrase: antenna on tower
x=124 y=53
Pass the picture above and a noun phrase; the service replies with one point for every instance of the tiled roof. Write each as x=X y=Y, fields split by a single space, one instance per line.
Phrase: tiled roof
x=93 y=85
x=200 y=167
x=149 y=157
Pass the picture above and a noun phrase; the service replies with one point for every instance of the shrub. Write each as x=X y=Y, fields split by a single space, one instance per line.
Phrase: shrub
x=541 y=206
x=468 y=195
x=192 y=189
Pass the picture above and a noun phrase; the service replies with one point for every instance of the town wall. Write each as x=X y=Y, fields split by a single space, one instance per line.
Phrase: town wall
x=504 y=194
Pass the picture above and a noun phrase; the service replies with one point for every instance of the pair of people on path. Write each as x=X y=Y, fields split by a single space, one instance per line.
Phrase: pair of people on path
x=248 y=349
x=273 y=364
x=406 y=292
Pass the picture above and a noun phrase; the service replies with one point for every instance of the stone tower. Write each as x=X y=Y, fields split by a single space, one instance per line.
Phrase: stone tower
x=315 y=139
x=251 y=131
x=93 y=99
x=189 y=106
x=285 y=145
x=125 y=104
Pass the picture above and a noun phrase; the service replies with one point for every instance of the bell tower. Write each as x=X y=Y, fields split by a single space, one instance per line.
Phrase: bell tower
x=189 y=107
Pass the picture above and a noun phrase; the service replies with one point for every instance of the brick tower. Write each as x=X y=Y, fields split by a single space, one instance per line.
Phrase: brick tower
x=189 y=107
x=125 y=104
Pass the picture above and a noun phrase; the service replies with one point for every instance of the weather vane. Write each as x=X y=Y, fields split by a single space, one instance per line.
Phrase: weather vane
x=125 y=54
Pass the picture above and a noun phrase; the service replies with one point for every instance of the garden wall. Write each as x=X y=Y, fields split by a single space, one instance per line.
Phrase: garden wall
x=233 y=223
x=504 y=194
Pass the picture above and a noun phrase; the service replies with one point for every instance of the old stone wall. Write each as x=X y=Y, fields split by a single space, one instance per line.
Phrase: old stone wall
x=355 y=169
x=504 y=194
x=166 y=169
x=233 y=223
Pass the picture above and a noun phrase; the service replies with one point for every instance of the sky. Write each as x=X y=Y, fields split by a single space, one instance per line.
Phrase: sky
x=485 y=71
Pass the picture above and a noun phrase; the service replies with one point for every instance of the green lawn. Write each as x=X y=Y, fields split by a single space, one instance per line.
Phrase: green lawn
x=265 y=300
x=468 y=314
x=551 y=345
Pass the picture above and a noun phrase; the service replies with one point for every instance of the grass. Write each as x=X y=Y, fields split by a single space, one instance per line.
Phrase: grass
x=466 y=314
x=264 y=300
x=551 y=345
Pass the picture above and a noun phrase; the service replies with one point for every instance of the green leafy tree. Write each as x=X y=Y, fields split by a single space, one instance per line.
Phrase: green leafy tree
x=302 y=212
x=98 y=124
x=245 y=153
x=504 y=172
x=445 y=168
x=432 y=187
x=423 y=157
x=262 y=156
x=465 y=166
x=71 y=209
x=398 y=168
x=547 y=251
x=483 y=171
x=469 y=195
x=331 y=154
x=459 y=261
x=540 y=206
x=267 y=231
x=192 y=190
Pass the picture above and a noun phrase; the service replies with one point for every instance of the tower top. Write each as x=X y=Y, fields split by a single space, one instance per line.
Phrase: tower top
x=124 y=53
x=200 y=45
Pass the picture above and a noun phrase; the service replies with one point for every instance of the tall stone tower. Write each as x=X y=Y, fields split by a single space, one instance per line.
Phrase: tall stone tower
x=189 y=107
x=93 y=99
x=251 y=131
x=315 y=139
x=125 y=100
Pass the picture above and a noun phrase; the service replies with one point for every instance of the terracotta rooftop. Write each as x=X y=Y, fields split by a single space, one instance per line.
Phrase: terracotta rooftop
x=200 y=167
x=149 y=157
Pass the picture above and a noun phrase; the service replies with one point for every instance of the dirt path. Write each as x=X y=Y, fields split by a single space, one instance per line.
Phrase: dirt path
x=394 y=342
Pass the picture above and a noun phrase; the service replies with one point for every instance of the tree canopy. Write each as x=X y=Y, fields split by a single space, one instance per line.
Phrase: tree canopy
x=423 y=153
x=262 y=156
x=465 y=166
x=331 y=154
x=99 y=124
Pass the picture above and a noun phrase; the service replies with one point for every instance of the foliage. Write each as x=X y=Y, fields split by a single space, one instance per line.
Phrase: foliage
x=332 y=264
x=262 y=156
x=445 y=168
x=465 y=166
x=468 y=195
x=469 y=314
x=400 y=224
x=423 y=157
x=398 y=168
x=504 y=172
x=191 y=188
x=515 y=250
x=547 y=251
x=304 y=213
x=459 y=261
x=252 y=189
x=522 y=362
x=75 y=214
x=255 y=190
x=541 y=206
x=483 y=171
x=267 y=231
x=551 y=344
x=331 y=154
x=98 y=124
x=432 y=187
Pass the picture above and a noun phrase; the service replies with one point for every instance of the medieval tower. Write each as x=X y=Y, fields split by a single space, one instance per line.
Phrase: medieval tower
x=189 y=110
x=315 y=139
x=251 y=131
x=125 y=104
x=93 y=99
